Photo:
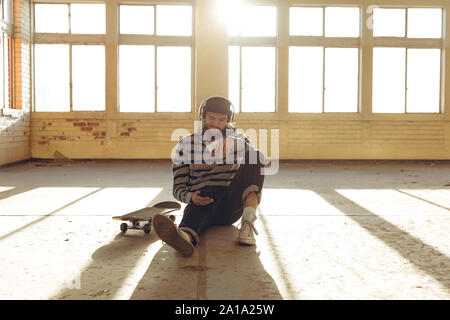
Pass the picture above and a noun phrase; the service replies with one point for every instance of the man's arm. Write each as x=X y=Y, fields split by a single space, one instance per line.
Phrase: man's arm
x=180 y=169
x=180 y=183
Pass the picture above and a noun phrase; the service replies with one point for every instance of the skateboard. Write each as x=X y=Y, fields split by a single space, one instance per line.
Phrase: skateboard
x=145 y=215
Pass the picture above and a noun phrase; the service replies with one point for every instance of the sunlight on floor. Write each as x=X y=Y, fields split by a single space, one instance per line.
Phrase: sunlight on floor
x=137 y=273
x=102 y=201
x=295 y=202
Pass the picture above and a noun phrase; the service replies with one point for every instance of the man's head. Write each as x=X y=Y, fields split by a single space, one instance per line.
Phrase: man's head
x=216 y=112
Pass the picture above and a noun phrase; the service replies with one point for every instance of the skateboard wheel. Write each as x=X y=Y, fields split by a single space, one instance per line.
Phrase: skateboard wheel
x=147 y=228
x=123 y=227
x=172 y=217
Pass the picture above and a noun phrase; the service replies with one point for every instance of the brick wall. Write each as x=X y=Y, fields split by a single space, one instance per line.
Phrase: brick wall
x=15 y=134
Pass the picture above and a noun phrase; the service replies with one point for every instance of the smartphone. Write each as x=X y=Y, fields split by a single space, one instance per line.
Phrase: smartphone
x=206 y=193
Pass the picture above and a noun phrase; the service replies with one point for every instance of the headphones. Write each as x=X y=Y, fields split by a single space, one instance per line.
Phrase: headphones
x=201 y=114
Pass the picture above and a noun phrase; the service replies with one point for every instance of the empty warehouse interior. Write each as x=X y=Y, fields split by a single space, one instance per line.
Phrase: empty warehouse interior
x=347 y=99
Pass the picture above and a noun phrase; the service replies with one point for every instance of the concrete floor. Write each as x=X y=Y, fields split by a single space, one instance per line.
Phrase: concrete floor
x=327 y=230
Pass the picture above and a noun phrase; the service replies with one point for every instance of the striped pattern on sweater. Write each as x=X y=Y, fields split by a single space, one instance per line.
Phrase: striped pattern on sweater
x=194 y=166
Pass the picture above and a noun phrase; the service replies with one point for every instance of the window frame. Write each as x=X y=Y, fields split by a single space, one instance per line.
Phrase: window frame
x=258 y=41
x=328 y=42
x=69 y=39
x=112 y=39
x=159 y=41
x=414 y=43
x=7 y=57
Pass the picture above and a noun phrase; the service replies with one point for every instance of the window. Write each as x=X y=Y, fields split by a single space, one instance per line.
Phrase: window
x=69 y=57
x=252 y=59
x=51 y=73
x=6 y=55
x=407 y=72
x=155 y=58
x=324 y=59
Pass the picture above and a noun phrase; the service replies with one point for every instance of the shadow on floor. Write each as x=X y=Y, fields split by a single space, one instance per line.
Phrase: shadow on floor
x=422 y=255
x=219 y=269
x=110 y=266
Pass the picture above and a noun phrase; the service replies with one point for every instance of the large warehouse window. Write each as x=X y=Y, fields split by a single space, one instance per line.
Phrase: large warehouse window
x=6 y=55
x=407 y=60
x=324 y=59
x=252 y=59
x=155 y=58
x=69 y=57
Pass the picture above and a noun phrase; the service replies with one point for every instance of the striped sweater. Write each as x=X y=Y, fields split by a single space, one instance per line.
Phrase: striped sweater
x=196 y=166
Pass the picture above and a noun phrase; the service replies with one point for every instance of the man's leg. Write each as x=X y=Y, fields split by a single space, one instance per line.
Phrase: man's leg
x=241 y=200
x=196 y=219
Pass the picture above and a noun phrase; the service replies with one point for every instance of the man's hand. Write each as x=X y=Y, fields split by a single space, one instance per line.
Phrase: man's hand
x=199 y=200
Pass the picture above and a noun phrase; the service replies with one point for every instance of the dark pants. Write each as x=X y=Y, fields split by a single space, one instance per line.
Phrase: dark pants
x=228 y=202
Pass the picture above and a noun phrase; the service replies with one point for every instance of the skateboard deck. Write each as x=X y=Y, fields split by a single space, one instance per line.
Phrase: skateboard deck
x=146 y=215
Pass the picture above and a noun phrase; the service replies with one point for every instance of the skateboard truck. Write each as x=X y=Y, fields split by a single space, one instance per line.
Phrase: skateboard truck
x=135 y=225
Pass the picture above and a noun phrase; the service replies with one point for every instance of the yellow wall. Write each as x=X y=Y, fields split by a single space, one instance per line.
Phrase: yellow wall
x=110 y=134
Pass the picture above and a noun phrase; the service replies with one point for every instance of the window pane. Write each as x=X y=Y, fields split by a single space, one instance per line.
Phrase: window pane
x=341 y=80
x=424 y=23
x=174 y=20
x=88 y=78
x=258 y=79
x=389 y=22
x=233 y=76
x=174 y=79
x=259 y=21
x=232 y=13
x=424 y=68
x=2 y=103
x=51 y=18
x=388 y=80
x=51 y=74
x=137 y=78
x=9 y=85
x=305 y=79
x=8 y=7
x=137 y=19
x=306 y=21
x=341 y=22
x=88 y=18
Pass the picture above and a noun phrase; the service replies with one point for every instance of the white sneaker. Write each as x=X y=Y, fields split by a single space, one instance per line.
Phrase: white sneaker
x=246 y=235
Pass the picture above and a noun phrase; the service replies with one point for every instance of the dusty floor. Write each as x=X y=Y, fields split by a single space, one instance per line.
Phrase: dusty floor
x=344 y=230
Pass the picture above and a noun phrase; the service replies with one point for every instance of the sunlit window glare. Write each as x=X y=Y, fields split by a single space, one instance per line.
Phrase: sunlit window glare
x=174 y=79
x=258 y=79
x=173 y=20
x=88 y=78
x=136 y=19
x=52 y=77
x=247 y=20
x=424 y=23
x=305 y=21
x=423 y=81
x=51 y=18
x=234 y=84
x=137 y=78
x=389 y=80
x=342 y=22
x=389 y=22
x=341 y=80
x=87 y=18
x=305 y=79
